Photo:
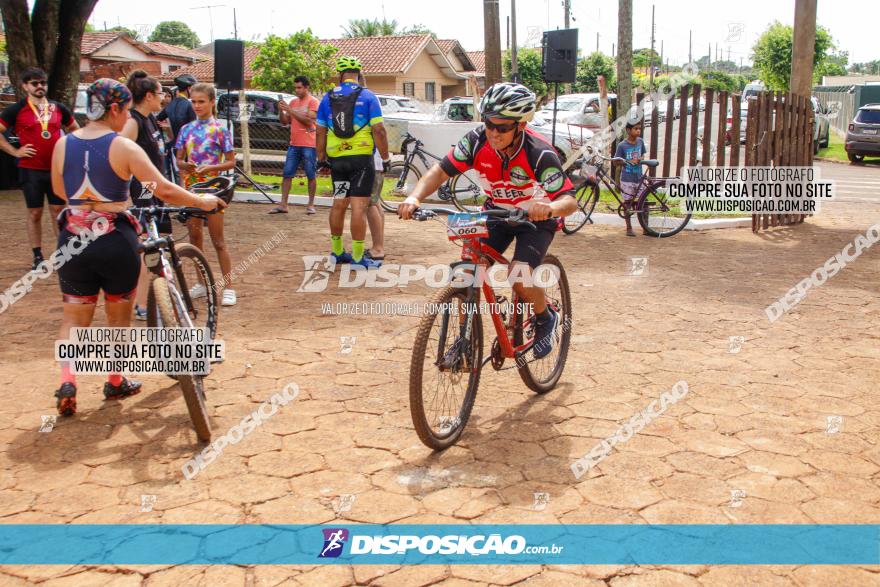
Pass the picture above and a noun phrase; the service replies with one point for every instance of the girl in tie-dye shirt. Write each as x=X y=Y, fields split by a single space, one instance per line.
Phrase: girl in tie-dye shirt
x=204 y=149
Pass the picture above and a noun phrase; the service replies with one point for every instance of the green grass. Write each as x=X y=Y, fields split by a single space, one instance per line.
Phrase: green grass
x=835 y=149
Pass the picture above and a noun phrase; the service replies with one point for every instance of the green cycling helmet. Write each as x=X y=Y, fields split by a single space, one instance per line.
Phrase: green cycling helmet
x=346 y=62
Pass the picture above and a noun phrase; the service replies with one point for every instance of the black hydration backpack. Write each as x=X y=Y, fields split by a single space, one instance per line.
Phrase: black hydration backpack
x=342 y=108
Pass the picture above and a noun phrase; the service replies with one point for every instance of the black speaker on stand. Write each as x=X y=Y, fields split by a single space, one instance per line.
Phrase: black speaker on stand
x=559 y=62
x=229 y=75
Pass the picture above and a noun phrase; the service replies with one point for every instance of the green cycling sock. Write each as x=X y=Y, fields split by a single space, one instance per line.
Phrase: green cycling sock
x=336 y=244
x=357 y=250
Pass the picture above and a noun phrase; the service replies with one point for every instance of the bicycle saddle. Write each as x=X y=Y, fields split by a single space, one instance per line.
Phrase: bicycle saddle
x=650 y=162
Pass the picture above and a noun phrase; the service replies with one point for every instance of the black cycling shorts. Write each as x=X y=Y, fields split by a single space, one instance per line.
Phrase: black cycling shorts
x=37 y=187
x=353 y=176
x=531 y=245
x=110 y=263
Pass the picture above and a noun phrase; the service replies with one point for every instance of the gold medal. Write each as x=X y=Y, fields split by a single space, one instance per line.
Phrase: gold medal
x=44 y=115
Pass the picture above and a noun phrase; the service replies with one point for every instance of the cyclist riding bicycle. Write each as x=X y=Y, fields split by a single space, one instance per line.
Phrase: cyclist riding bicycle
x=91 y=171
x=518 y=169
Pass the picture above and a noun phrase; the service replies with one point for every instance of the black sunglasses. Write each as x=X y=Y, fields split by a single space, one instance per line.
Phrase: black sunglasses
x=500 y=127
x=38 y=82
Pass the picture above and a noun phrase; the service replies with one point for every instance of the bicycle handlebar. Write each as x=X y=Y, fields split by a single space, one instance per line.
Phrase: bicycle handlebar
x=513 y=217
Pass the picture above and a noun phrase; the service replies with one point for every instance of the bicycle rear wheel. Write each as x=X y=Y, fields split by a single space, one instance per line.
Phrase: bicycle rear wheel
x=445 y=368
x=466 y=193
x=172 y=315
x=660 y=215
x=393 y=194
x=587 y=198
x=542 y=375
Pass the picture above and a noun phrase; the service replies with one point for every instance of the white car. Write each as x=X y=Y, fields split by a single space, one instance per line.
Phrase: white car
x=395 y=104
x=580 y=109
x=568 y=138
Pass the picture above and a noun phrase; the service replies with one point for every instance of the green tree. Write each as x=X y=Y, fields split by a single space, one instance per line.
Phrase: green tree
x=283 y=58
x=834 y=64
x=364 y=27
x=719 y=81
x=590 y=68
x=418 y=29
x=175 y=32
x=772 y=54
x=50 y=37
x=641 y=58
x=131 y=32
x=528 y=62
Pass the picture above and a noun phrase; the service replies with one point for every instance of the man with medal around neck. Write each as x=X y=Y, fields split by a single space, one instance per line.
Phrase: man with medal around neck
x=37 y=121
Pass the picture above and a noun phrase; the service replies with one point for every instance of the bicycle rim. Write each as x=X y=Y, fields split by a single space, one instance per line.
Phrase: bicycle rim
x=195 y=270
x=192 y=386
x=391 y=194
x=542 y=375
x=466 y=193
x=445 y=369
x=587 y=197
x=662 y=216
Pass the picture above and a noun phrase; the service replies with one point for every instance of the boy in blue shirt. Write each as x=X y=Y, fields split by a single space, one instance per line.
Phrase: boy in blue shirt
x=631 y=150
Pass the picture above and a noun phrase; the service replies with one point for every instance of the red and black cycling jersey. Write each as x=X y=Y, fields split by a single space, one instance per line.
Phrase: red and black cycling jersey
x=533 y=173
x=25 y=124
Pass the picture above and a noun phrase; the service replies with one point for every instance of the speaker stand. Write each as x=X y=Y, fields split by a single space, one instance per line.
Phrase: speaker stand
x=240 y=171
x=555 y=97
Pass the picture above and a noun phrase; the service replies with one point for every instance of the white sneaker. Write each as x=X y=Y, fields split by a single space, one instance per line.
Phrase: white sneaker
x=229 y=298
x=198 y=291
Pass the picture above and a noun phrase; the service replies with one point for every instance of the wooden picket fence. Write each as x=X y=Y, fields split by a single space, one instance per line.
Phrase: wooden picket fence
x=779 y=131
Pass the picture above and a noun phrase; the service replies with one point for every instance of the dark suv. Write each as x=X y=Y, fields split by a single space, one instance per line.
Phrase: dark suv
x=863 y=135
x=265 y=128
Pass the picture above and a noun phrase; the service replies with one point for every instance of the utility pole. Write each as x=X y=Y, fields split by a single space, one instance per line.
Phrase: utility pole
x=613 y=47
x=508 y=33
x=567 y=5
x=492 y=41
x=803 y=46
x=210 y=15
x=661 y=54
x=235 y=23
x=651 y=55
x=690 y=46
x=514 y=69
x=597 y=42
x=709 y=65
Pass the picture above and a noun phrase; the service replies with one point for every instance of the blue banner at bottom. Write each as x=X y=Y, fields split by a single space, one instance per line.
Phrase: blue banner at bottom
x=142 y=544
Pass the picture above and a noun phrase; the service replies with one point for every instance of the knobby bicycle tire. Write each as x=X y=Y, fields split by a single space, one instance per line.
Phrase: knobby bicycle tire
x=395 y=172
x=587 y=198
x=565 y=324
x=423 y=426
x=644 y=217
x=190 y=385
x=462 y=204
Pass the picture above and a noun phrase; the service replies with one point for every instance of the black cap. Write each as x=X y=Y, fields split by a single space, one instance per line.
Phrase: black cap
x=184 y=81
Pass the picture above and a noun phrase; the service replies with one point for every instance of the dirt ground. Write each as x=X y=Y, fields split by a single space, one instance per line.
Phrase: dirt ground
x=755 y=423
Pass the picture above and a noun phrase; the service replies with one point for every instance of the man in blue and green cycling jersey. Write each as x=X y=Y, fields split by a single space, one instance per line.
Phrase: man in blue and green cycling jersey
x=349 y=126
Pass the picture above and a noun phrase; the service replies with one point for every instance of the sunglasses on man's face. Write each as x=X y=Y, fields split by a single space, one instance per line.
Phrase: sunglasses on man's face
x=37 y=83
x=500 y=127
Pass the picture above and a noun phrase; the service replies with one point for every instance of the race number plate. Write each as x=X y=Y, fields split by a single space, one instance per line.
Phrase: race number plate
x=461 y=226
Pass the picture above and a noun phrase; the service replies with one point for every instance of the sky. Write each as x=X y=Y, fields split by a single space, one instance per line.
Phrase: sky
x=734 y=26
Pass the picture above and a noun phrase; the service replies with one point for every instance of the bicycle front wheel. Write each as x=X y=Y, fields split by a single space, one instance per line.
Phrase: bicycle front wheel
x=660 y=215
x=398 y=182
x=587 y=198
x=466 y=193
x=542 y=375
x=445 y=368
x=172 y=315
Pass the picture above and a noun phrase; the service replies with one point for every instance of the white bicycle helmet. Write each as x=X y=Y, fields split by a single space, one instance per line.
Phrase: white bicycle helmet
x=508 y=100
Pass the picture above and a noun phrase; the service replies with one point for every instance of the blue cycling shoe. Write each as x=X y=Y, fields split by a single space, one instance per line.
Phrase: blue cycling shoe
x=544 y=330
x=343 y=258
x=366 y=263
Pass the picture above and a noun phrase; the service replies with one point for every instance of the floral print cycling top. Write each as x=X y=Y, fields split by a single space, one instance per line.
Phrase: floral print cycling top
x=203 y=142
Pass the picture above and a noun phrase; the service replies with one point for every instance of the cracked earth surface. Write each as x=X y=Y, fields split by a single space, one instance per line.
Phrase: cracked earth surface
x=755 y=423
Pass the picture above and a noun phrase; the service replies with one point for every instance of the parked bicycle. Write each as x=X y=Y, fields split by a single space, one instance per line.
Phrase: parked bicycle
x=658 y=214
x=447 y=354
x=169 y=303
x=461 y=190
